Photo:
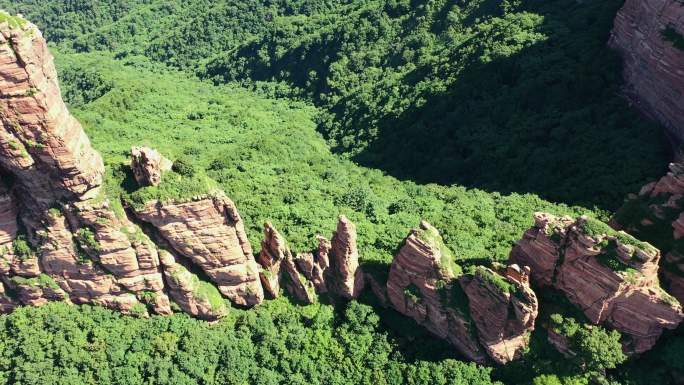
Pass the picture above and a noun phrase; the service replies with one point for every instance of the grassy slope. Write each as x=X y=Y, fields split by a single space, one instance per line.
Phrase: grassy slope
x=270 y=160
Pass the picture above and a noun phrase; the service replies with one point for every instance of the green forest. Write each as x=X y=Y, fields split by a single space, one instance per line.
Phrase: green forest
x=470 y=114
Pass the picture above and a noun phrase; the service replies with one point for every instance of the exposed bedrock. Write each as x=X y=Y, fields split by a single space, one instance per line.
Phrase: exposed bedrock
x=332 y=268
x=482 y=313
x=41 y=144
x=656 y=214
x=208 y=230
x=609 y=275
x=60 y=237
x=648 y=34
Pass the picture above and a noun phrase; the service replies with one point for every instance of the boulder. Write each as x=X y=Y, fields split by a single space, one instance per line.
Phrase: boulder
x=41 y=144
x=148 y=166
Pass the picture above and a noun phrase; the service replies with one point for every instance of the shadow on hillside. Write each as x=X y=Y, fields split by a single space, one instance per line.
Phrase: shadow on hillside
x=548 y=120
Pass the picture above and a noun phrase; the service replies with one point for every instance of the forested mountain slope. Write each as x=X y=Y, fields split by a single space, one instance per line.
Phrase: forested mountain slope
x=508 y=96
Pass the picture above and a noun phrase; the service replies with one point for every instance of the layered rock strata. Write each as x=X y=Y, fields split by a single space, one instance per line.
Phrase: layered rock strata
x=41 y=144
x=273 y=251
x=333 y=268
x=656 y=214
x=209 y=231
x=649 y=34
x=609 y=275
x=344 y=261
x=194 y=296
x=73 y=246
x=482 y=313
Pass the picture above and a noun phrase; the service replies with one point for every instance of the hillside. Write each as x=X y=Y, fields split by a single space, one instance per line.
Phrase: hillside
x=507 y=96
x=464 y=155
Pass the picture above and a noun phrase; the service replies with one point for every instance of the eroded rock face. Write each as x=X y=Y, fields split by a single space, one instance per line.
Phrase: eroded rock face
x=148 y=166
x=643 y=34
x=470 y=311
x=273 y=251
x=74 y=247
x=656 y=214
x=344 y=260
x=309 y=274
x=504 y=309
x=197 y=298
x=41 y=144
x=210 y=232
x=609 y=275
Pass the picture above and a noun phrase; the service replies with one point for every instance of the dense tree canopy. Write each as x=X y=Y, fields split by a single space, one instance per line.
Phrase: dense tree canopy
x=504 y=95
x=275 y=344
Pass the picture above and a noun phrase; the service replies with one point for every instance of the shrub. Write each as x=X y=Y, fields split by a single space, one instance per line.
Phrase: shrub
x=86 y=239
x=412 y=293
x=22 y=248
x=184 y=167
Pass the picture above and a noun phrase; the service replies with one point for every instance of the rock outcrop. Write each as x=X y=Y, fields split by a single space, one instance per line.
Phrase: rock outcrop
x=649 y=34
x=273 y=251
x=609 y=275
x=148 y=166
x=278 y=265
x=332 y=268
x=194 y=296
x=73 y=245
x=344 y=261
x=208 y=231
x=656 y=214
x=77 y=245
x=482 y=313
x=41 y=144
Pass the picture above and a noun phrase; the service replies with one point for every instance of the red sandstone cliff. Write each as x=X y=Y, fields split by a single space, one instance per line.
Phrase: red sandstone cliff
x=41 y=144
x=610 y=276
x=210 y=232
x=333 y=268
x=657 y=214
x=482 y=314
x=75 y=246
x=654 y=65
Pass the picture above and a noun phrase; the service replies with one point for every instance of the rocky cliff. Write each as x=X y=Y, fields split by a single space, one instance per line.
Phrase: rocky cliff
x=649 y=34
x=656 y=214
x=208 y=231
x=609 y=275
x=160 y=248
x=482 y=313
x=333 y=268
x=63 y=239
x=72 y=245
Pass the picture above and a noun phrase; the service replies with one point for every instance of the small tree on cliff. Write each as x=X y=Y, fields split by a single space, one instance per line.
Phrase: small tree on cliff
x=598 y=349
